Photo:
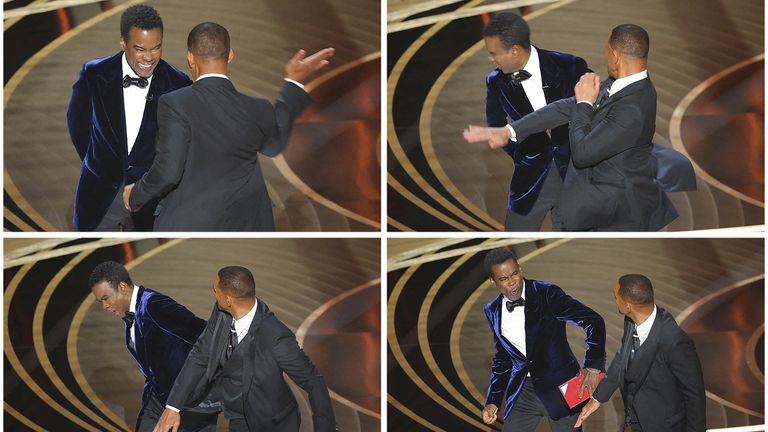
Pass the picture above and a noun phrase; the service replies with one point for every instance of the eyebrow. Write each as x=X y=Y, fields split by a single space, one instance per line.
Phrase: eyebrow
x=141 y=47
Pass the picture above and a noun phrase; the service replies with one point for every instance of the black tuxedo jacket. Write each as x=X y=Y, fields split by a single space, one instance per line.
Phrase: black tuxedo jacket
x=611 y=183
x=207 y=169
x=267 y=399
x=533 y=156
x=668 y=394
x=96 y=122
x=165 y=332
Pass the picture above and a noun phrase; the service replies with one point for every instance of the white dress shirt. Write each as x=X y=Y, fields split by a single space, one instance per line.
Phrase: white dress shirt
x=513 y=323
x=620 y=83
x=645 y=327
x=243 y=324
x=134 y=102
x=132 y=308
x=533 y=86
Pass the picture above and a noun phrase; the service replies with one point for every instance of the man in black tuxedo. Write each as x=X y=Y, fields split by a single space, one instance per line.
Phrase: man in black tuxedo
x=240 y=360
x=528 y=320
x=527 y=78
x=611 y=184
x=112 y=120
x=159 y=333
x=656 y=368
x=207 y=170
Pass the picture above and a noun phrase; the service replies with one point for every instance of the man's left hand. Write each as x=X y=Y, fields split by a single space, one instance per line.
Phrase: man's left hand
x=300 y=67
x=127 y=196
x=496 y=137
x=587 y=88
x=591 y=377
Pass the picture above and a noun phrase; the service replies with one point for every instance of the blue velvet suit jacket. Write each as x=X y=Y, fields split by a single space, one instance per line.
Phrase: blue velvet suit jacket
x=549 y=358
x=96 y=121
x=165 y=332
x=533 y=156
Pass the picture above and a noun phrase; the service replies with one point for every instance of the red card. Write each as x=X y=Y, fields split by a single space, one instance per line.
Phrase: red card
x=570 y=390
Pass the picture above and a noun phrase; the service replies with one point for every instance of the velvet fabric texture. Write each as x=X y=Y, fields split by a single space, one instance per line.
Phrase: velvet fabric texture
x=549 y=359
x=165 y=332
x=96 y=121
x=506 y=102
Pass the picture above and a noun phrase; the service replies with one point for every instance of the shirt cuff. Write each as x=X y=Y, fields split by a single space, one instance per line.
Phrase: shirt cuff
x=172 y=408
x=586 y=102
x=295 y=82
x=512 y=131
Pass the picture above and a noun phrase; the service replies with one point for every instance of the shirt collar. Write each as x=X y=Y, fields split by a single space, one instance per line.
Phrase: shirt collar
x=627 y=80
x=532 y=66
x=134 y=296
x=130 y=72
x=242 y=325
x=644 y=329
x=208 y=75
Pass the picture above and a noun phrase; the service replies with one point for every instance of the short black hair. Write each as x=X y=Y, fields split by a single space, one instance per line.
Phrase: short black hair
x=636 y=289
x=497 y=256
x=209 y=41
x=111 y=272
x=510 y=28
x=630 y=39
x=237 y=282
x=140 y=16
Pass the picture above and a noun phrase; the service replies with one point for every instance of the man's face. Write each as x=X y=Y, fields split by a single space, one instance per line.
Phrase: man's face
x=611 y=59
x=143 y=50
x=508 y=279
x=507 y=60
x=221 y=298
x=621 y=305
x=116 y=301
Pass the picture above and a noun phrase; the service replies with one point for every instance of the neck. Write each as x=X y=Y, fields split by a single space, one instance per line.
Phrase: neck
x=212 y=67
x=630 y=68
x=640 y=315
x=525 y=55
x=241 y=308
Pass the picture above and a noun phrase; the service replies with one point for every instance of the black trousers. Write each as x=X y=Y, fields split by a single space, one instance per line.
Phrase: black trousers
x=548 y=199
x=529 y=411
x=190 y=421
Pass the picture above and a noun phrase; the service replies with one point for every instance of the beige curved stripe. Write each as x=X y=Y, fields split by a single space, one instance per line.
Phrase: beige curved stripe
x=13 y=359
x=21 y=418
x=422 y=6
x=74 y=332
x=415 y=417
x=8 y=185
x=33 y=248
x=675 y=128
x=456 y=252
x=425 y=121
x=398 y=225
x=13 y=192
x=39 y=341
x=23 y=226
x=301 y=333
x=8 y=23
x=751 y=350
x=395 y=146
x=392 y=181
x=36 y=8
x=63 y=251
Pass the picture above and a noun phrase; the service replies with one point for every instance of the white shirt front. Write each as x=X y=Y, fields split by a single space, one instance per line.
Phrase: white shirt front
x=533 y=86
x=134 y=102
x=132 y=309
x=620 y=83
x=243 y=324
x=513 y=323
x=644 y=329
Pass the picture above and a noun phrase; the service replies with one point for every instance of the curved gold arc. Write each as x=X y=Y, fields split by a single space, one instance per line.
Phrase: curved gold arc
x=675 y=128
x=13 y=192
x=63 y=251
x=8 y=185
x=74 y=333
x=456 y=252
x=751 y=349
x=13 y=359
x=296 y=181
x=32 y=248
x=301 y=333
x=398 y=225
x=8 y=214
x=425 y=121
x=397 y=352
x=39 y=341
x=421 y=329
x=461 y=317
x=395 y=146
x=8 y=23
x=21 y=418
x=415 y=417
x=392 y=181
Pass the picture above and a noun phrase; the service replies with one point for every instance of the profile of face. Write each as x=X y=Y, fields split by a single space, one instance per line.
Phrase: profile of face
x=143 y=49
x=507 y=277
x=115 y=300
x=621 y=304
x=510 y=60
x=611 y=59
x=221 y=298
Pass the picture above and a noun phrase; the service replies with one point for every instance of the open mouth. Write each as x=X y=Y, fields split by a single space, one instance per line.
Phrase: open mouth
x=145 y=67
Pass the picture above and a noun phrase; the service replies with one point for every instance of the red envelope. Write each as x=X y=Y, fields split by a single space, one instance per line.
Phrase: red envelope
x=570 y=390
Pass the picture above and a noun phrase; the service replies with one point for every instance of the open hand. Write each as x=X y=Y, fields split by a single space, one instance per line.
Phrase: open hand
x=587 y=411
x=300 y=67
x=170 y=420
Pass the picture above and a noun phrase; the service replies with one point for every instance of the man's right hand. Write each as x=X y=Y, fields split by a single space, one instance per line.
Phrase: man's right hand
x=300 y=67
x=489 y=413
x=587 y=411
x=170 y=420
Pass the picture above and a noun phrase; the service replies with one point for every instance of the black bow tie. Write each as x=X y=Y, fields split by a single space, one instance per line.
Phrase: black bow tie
x=139 y=82
x=511 y=305
x=517 y=78
x=129 y=318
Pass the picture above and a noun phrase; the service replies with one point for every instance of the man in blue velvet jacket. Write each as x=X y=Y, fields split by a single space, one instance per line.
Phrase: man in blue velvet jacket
x=527 y=78
x=112 y=120
x=532 y=353
x=159 y=334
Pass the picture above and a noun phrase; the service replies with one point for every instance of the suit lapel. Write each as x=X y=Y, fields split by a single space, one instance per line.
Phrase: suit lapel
x=644 y=356
x=249 y=357
x=626 y=346
x=114 y=105
x=496 y=311
x=138 y=328
x=219 y=343
x=532 y=315
x=550 y=77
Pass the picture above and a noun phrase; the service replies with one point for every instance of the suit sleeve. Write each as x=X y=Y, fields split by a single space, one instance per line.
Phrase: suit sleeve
x=550 y=116
x=79 y=113
x=567 y=309
x=193 y=371
x=685 y=366
x=610 y=383
x=175 y=319
x=173 y=140
x=277 y=125
x=501 y=370
x=612 y=135
x=297 y=365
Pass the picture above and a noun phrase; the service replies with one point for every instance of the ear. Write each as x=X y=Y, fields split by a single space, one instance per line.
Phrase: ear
x=231 y=55
x=123 y=46
x=190 y=60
